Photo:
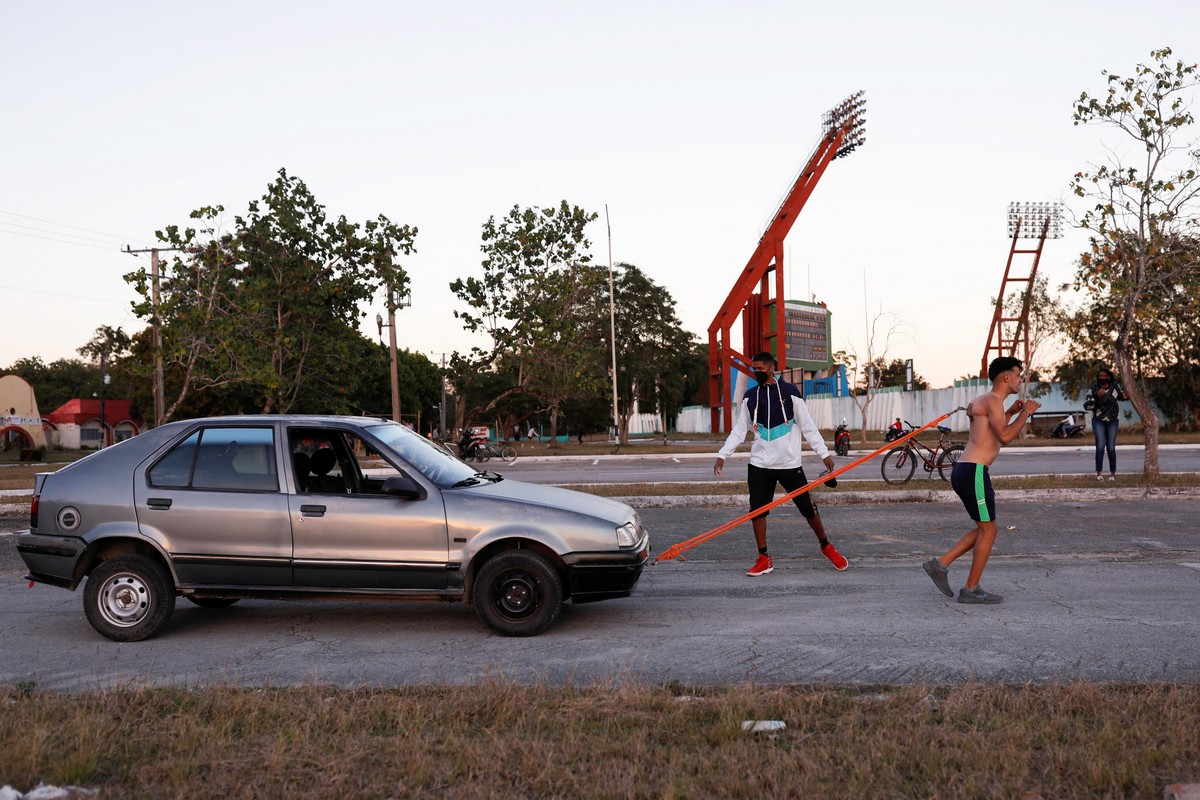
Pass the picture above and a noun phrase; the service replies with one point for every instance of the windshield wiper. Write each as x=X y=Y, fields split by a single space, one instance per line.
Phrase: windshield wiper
x=494 y=477
x=474 y=479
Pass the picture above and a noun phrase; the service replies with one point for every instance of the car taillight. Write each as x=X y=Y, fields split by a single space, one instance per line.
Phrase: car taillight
x=33 y=509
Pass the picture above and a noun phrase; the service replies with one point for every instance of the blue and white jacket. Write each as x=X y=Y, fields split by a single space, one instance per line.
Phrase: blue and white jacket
x=778 y=416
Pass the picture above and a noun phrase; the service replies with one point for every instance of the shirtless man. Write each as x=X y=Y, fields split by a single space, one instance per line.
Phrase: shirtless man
x=991 y=426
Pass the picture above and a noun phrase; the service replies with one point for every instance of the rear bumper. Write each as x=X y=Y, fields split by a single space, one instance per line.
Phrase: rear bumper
x=51 y=559
x=604 y=576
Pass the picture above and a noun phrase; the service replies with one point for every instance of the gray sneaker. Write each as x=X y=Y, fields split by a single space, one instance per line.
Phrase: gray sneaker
x=978 y=595
x=939 y=574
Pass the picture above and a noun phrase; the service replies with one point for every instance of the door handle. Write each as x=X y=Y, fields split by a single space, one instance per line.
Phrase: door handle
x=312 y=511
x=162 y=503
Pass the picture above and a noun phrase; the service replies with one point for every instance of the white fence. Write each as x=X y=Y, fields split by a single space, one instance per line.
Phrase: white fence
x=915 y=407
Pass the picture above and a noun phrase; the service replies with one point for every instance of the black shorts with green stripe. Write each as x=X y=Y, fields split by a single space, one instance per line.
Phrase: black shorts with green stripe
x=973 y=485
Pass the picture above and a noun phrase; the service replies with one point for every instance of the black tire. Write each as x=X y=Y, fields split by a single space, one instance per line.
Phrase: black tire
x=481 y=453
x=518 y=593
x=508 y=453
x=128 y=598
x=842 y=448
x=898 y=465
x=948 y=459
x=213 y=602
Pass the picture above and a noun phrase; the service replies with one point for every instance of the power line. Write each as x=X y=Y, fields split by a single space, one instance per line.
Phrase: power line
x=59 y=241
x=72 y=227
x=53 y=233
x=61 y=294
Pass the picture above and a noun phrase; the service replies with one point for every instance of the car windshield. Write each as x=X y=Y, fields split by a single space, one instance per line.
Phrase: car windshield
x=427 y=458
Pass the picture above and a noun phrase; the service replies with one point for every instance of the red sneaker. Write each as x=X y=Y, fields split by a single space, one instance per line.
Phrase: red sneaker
x=762 y=566
x=839 y=560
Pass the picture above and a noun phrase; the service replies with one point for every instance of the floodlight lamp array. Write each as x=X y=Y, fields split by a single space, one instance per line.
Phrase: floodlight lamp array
x=850 y=116
x=1028 y=220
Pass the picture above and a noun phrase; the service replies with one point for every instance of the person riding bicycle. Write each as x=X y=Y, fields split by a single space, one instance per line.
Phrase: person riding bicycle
x=466 y=443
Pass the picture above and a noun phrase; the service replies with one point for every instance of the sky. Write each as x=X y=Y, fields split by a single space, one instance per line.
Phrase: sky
x=688 y=120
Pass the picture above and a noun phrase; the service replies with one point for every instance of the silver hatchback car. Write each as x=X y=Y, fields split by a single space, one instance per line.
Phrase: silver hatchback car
x=226 y=508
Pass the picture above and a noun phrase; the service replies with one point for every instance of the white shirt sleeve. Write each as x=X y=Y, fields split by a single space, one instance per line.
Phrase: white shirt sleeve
x=741 y=424
x=812 y=434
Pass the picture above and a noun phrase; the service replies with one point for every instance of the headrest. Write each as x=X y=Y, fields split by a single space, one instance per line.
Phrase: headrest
x=322 y=461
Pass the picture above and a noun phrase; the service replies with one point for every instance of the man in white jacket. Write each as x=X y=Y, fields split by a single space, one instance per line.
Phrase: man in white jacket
x=780 y=420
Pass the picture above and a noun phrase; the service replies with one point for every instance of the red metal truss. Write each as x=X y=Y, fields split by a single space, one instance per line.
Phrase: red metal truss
x=763 y=311
x=997 y=343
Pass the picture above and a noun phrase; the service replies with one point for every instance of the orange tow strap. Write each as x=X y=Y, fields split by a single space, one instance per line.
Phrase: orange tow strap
x=676 y=550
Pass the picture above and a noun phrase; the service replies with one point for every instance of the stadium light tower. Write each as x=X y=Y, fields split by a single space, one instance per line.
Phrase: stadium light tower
x=764 y=312
x=1039 y=221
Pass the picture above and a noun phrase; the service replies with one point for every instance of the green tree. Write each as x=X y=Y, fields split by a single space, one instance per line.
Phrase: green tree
x=57 y=382
x=1141 y=209
x=268 y=304
x=651 y=347
x=534 y=262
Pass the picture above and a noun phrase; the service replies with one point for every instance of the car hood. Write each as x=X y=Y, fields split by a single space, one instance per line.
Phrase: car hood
x=552 y=497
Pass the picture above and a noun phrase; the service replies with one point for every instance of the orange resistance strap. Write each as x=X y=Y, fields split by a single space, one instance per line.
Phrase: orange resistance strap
x=677 y=550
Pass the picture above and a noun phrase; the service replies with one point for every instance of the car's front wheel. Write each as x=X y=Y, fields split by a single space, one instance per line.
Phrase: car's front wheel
x=128 y=598
x=518 y=593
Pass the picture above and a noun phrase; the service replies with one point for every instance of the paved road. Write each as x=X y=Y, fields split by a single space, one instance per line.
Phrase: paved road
x=1097 y=590
x=690 y=467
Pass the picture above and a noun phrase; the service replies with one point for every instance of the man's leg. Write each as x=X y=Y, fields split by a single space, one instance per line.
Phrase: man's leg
x=761 y=487
x=980 y=553
x=760 y=532
x=961 y=547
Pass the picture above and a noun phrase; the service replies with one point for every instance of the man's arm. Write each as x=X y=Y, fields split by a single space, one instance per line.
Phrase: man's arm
x=998 y=420
x=741 y=424
x=812 y=434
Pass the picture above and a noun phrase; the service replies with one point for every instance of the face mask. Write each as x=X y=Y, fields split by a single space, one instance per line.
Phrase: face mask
x=762 y=377
x=1103 y=380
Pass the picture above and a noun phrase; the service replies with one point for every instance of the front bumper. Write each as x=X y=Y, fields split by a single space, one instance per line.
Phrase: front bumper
x=604 y=576
x=51 y=559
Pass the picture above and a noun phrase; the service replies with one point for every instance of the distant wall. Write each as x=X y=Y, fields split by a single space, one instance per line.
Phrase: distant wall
x=915 y=407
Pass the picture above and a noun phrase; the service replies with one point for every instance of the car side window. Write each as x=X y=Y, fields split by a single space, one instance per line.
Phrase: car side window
x=174 y=470
x=336 y=462
x=228 y=459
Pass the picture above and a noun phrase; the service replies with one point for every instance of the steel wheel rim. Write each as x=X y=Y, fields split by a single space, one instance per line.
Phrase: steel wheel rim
x=516 y=595
x=125 y=600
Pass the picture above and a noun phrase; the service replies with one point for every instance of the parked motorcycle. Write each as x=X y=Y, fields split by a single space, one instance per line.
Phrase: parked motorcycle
x=841 y=439
x=1065 y=430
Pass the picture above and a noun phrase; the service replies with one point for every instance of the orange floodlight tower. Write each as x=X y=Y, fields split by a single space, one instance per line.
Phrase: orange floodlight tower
x=764 y=312
x=1039 y=221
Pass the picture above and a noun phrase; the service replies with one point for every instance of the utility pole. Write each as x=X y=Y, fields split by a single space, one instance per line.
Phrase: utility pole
x=103 y=374
x=392 y=304
x=612 y=328
x=155 y=326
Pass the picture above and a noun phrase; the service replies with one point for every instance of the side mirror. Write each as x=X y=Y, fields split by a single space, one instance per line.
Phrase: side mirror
x=403 y=487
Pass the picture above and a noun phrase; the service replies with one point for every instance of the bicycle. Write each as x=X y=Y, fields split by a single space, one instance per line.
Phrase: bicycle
x=901 y=462
x=481 y=450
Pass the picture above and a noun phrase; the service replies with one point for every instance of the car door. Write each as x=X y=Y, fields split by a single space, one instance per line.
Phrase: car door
x=214 y=500
x=347 y=534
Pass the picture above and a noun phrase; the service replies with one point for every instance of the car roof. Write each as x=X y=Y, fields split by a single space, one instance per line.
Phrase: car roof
x=303 y=419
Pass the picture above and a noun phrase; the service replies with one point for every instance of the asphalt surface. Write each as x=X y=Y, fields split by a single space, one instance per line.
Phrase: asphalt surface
x=646 y=466
x=1093 y=590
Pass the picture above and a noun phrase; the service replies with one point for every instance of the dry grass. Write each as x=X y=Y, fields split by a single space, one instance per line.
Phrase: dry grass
x=1072 y=741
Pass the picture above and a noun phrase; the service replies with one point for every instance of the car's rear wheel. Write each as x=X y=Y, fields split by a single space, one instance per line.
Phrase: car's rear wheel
x=518 y=593
x=213 y=602
x=128 y=598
